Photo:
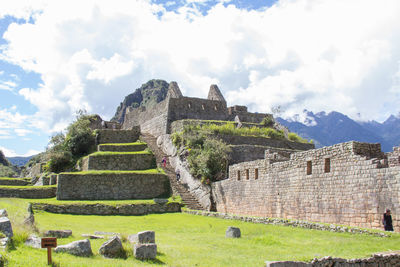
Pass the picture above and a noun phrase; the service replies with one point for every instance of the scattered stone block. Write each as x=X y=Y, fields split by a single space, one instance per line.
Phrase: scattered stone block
x=92 y=236
x=5 y=226
x=58 y=233
x=143 y=237
x=80 y=248
x=3 y=213
x=34 y=241
x=112 y=248
x=232 y=232
x=287 y=264
x=145 y=251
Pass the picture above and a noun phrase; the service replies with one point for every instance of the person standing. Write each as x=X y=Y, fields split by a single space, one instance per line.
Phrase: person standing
x=387 y=221
x=178 y=175
x=164 y=161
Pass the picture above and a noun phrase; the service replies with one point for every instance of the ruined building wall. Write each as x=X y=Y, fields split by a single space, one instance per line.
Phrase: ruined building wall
x=157 y=120
x=355 y=191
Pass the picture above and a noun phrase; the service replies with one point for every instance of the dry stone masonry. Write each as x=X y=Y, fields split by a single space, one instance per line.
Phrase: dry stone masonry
x=350 y=183
x=115 y=175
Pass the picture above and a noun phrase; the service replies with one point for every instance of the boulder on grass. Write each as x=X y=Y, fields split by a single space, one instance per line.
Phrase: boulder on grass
x=5 y=227
x=143 y=237
x=58 y=233
x=232 y=232
x=34 y=241
x=145 y=251
x=78 y=248
x=3 y=213
x=112 y=248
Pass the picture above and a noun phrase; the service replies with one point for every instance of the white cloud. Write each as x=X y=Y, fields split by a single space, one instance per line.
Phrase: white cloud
x=7 y=85
x=318 y=55
x=11 y=153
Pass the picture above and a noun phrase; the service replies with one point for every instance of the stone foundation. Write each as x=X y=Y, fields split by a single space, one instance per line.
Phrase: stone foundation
x=118 y=136
x=103 y=209
x=28 y=192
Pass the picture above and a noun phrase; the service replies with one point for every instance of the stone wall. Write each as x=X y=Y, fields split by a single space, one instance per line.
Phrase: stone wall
x=115 y=161
x=122 y=148
x=339 y=184
x=13 y=181
x=263 y=141
x=29 y=192
x=376 y=260
x=394 y=157
x=103 y=209
x=157 y=119
x=112 y=185
x=118 y=136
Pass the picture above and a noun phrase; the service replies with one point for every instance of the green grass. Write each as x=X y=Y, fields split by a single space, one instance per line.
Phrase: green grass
x=96 y=172
x=108 y=153
x=125 y=144
x=189 y=240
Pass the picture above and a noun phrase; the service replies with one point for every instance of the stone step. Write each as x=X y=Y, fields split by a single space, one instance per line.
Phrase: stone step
x=115 y=161
x=105 y=136
x=187 y=198
x=122 y=147
x=109 y=185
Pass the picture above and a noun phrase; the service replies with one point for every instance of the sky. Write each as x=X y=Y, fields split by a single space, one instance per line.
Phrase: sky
x=58 y=57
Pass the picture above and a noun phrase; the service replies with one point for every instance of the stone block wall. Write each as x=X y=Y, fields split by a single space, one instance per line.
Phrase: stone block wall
x=14 y=181
x=262 y=141
x=121 y=148
x=118 y=136
x=353 y=190
x=104 y=209
x=29 y=192
x=103 y=186
x=139 y=161
x=394 y=157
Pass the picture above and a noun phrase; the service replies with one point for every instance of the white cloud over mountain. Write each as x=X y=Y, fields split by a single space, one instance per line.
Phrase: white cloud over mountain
x=319 y=55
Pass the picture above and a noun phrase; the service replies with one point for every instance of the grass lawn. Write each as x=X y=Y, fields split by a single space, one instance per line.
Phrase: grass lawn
x=189 y=240
x=94 y=172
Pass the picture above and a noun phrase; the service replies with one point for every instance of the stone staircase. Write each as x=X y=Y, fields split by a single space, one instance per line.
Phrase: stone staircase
x=177 y=188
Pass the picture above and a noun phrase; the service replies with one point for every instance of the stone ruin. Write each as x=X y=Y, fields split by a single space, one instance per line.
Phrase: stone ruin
x=349 y=183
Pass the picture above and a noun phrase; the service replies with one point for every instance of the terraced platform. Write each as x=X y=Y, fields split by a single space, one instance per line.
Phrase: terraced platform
x=106 y=207
x=136 y=160
x=121 y=169
x=123 y=147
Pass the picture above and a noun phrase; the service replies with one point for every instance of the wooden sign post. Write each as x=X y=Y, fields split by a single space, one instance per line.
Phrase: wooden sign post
x=49 y=242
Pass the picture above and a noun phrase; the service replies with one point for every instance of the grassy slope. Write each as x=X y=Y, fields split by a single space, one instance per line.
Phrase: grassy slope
x=188 y=240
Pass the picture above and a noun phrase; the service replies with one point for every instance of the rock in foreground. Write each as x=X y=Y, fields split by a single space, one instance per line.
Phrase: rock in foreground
x=112 y=248
x=78 y=248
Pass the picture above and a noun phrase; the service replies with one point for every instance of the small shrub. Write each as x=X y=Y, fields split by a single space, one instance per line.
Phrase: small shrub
x=268 y=122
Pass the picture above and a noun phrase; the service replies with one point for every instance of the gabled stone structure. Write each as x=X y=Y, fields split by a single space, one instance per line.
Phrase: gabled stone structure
x=349 y=183
x=175 y=107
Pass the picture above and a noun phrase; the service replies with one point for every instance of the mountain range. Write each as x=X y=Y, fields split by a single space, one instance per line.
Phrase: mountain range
x=327 y=129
